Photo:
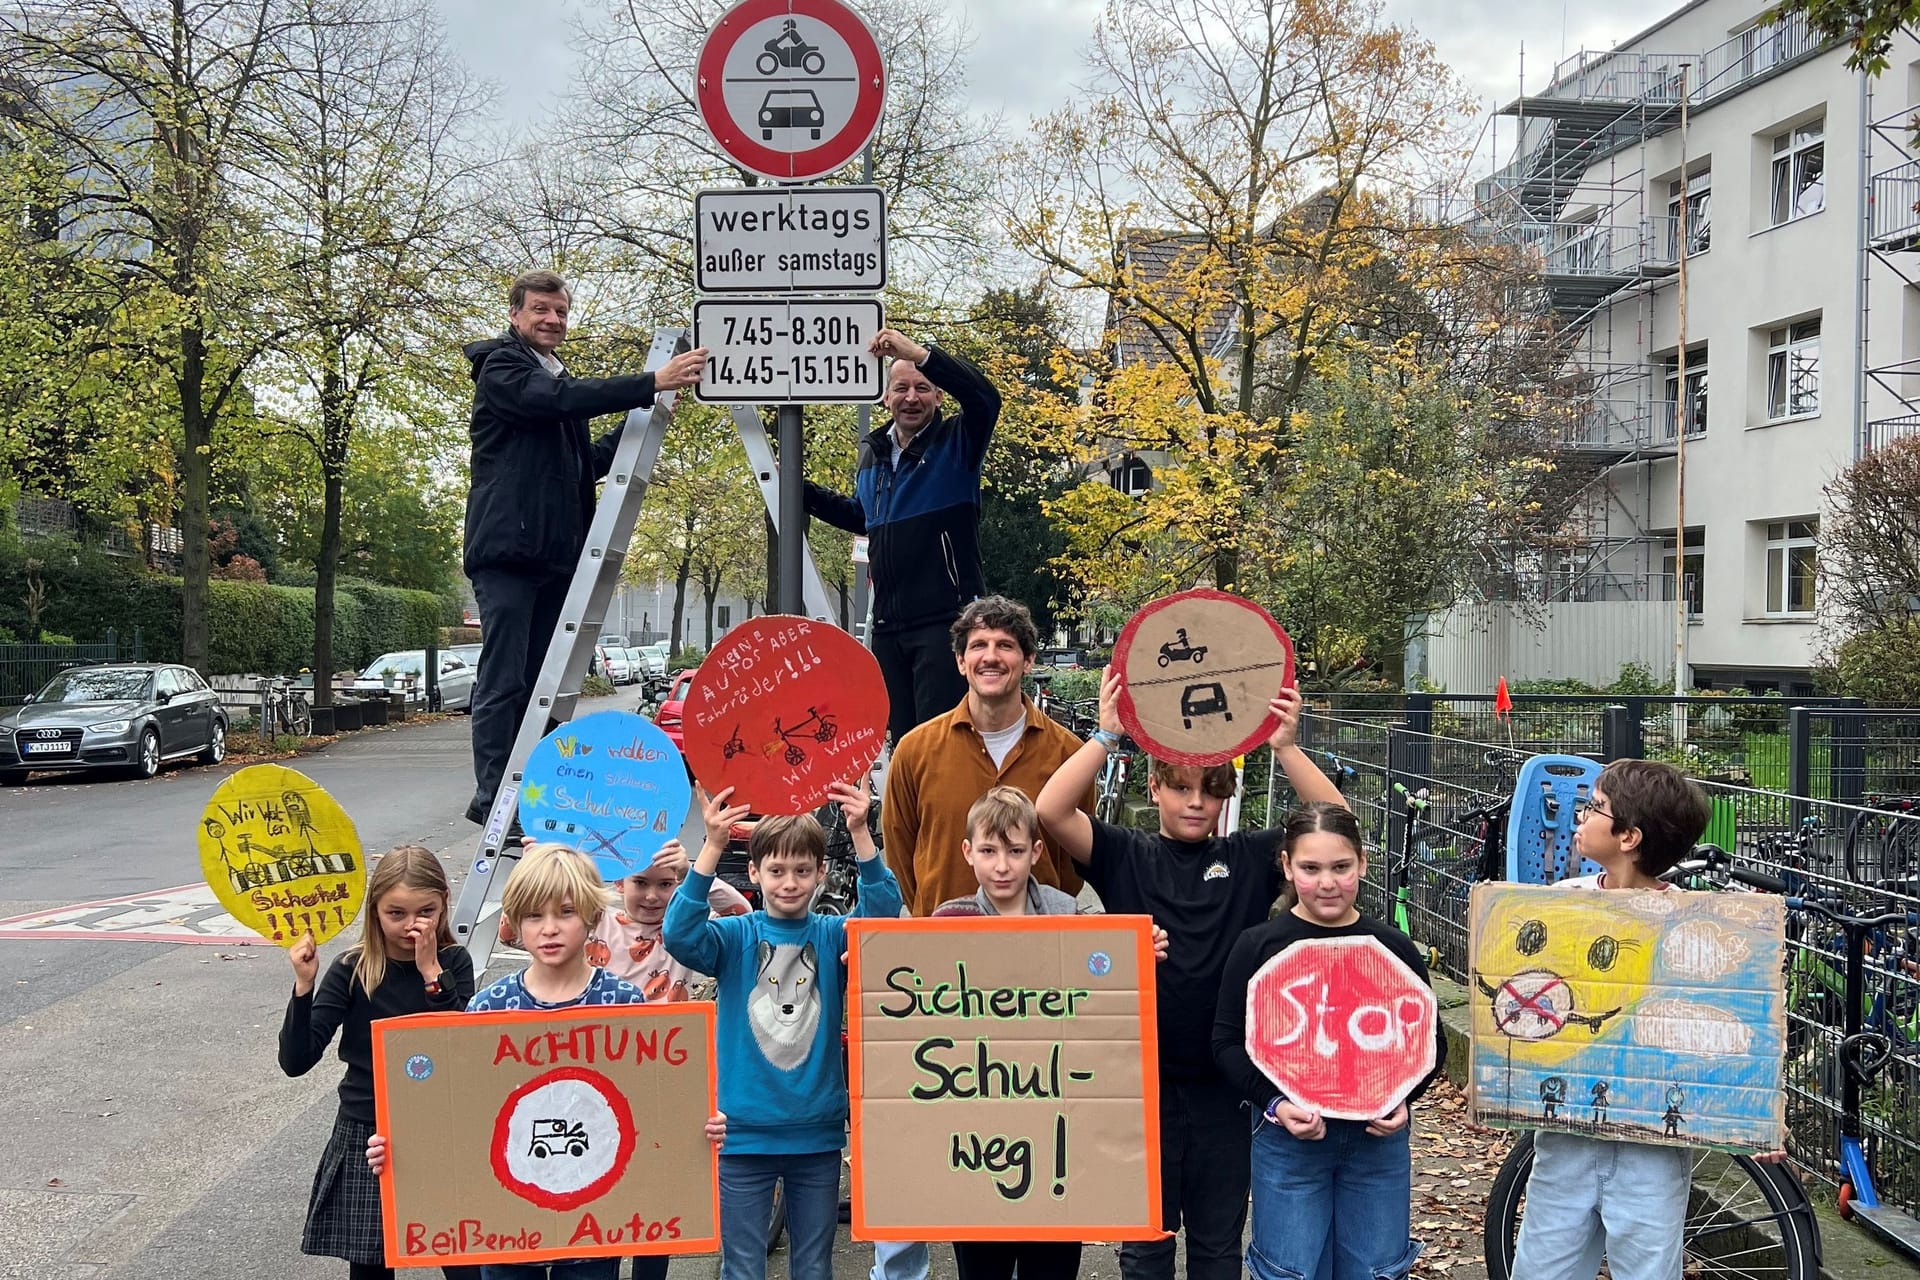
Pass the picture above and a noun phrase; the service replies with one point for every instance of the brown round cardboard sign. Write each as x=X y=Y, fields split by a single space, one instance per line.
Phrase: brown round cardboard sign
x=1199 y=669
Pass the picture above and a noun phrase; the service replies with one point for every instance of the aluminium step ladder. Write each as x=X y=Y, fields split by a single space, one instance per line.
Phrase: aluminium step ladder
x=556 y=691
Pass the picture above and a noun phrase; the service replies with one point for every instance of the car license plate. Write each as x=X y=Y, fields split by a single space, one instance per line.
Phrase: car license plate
x=48 y=748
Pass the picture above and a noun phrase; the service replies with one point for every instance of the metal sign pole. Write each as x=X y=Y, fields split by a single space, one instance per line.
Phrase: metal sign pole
x=790 y=426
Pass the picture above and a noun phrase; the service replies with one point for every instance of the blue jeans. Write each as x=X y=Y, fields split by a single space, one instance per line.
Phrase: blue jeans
x=1336 y=1209
x=899 y=1260
x=1587 y=1196
x=812 y=1185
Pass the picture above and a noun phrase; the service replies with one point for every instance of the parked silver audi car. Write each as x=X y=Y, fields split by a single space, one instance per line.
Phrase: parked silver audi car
x=126 y=717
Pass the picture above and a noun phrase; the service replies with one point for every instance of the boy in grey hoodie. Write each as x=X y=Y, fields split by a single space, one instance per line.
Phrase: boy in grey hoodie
x=1003 y=840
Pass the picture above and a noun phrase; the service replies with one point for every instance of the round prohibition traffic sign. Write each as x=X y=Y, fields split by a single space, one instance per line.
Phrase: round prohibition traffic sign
x=562 y=1139
x=791 y=89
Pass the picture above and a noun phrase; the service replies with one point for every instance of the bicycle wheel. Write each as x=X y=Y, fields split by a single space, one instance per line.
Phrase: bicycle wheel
x=1744 y=1219
x=299 y=717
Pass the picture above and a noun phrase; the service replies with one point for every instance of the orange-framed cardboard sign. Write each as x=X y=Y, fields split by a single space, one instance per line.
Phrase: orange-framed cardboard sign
x=1005 y=1078
x=538 y=1135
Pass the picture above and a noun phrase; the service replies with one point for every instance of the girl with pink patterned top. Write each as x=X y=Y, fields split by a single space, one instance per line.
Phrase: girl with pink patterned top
x=626 y=942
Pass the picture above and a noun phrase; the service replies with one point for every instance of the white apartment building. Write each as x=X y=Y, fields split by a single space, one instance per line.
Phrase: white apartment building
x=1797 y=203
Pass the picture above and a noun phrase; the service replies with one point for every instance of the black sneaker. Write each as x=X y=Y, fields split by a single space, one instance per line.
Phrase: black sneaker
x=477 y=812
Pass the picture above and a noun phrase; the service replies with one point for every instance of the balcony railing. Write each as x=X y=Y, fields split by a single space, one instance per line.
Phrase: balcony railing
x=1627 y=77
x=1666 y=412
x=1896 y=203
x=1885 y=431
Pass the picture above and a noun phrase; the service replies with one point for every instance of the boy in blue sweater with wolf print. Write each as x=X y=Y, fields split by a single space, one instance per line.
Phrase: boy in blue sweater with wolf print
x=783 y=1085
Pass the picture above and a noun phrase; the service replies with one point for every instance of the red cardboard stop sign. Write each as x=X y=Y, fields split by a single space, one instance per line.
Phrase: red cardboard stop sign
x=1341 y=1026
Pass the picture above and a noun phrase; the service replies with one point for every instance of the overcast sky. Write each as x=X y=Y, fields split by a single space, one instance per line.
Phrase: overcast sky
x=1026 y=53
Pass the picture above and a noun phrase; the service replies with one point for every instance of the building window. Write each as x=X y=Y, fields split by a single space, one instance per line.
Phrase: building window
x=1790 y=567
x=1793 y=370
x=723 y=614
x=1698 y=199
x=1799 y=163
x=1692 y=571
x=1696 y=400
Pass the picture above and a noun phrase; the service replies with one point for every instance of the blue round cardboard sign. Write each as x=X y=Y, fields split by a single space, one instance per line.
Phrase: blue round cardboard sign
x=612 y=785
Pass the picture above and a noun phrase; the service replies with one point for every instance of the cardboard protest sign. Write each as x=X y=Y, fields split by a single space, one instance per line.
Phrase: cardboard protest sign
x=1199 y=669
x=781 y=708
x=1005 y=1079
x=1341 y=1026
x=538 y=1135
x=1639 y=1015
x=281 y=855
x=612 y=785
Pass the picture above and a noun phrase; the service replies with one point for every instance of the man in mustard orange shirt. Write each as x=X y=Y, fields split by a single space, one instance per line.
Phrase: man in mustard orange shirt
x=995 y=737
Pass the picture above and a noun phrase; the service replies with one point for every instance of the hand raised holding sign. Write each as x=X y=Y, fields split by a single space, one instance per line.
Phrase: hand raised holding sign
x=672 y=858
x=305 y=956
x=1285 y=707
x=891 y=344
x=683 y=370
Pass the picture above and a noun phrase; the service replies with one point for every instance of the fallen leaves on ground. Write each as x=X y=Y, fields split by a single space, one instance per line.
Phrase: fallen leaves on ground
x=1454 y=1164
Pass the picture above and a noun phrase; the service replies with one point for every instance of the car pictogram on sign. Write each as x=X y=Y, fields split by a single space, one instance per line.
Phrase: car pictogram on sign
x=790 y=109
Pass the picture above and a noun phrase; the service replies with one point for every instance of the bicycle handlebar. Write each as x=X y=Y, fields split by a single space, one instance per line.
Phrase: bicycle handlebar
x=1845 y=921
x=1717 y=862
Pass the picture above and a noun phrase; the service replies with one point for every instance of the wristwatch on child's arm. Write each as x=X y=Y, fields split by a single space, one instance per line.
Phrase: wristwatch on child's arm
x=1111 y=741
x=1272 y=1112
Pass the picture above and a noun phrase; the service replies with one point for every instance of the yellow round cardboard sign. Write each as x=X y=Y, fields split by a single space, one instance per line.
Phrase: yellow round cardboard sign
x=281 y=855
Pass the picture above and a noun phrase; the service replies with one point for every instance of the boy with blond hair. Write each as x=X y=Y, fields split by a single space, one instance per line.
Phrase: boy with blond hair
x=553 y=898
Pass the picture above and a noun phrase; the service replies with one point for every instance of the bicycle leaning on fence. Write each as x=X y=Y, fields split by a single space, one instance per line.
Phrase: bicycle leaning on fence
x=283 y=707
x=1745 y=1218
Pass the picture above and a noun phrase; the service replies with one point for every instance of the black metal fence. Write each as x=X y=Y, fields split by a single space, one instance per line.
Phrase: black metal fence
x=24 y=668
x=1837 y=820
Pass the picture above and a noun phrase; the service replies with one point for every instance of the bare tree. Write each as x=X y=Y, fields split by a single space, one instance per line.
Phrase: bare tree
x=360 y=182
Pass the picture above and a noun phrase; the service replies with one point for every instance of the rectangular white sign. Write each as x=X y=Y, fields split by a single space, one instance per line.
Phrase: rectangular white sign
x=790 y=240
x=788 y=350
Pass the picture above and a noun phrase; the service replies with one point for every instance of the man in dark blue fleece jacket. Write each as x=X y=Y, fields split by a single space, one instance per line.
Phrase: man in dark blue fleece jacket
x=531 y=499
x=917 y=498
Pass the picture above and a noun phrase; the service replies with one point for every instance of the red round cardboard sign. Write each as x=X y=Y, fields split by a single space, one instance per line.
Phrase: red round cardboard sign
x=1341 y=1026
x=791 y=89
x=1197 y=671
x=782 y=707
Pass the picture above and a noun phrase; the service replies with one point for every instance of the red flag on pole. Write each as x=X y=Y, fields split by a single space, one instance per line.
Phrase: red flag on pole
x=1502 y=700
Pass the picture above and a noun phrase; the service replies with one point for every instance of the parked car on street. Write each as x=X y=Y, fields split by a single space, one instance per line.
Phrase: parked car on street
x=614 y=664
x=467 y=653
x=671 y=710
x=650 y=667
x=456 y=677
x=1062 y=659
x=129 y=717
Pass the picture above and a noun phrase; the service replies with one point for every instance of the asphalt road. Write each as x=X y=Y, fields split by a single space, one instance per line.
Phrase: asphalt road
x=146 y=1131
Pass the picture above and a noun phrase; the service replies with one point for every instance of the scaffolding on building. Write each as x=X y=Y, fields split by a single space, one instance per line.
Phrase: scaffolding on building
x=1576 y=196
x=1889 y=390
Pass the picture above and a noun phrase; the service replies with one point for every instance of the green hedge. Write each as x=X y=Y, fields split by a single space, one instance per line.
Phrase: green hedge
x=252 y=626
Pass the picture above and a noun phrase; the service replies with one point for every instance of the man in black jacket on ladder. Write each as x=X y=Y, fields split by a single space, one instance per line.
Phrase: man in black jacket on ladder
x=531 y=500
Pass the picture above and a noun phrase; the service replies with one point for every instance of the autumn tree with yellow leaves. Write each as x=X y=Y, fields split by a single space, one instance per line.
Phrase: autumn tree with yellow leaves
x=1285 y=322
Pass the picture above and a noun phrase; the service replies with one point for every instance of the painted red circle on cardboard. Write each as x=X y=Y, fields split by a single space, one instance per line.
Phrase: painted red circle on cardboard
x=1198 y=670
x=782 y=707
x=499 y=1150
x=736 y=138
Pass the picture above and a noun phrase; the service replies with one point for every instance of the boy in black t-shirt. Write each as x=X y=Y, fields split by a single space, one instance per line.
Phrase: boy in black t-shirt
x=1204 y=891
